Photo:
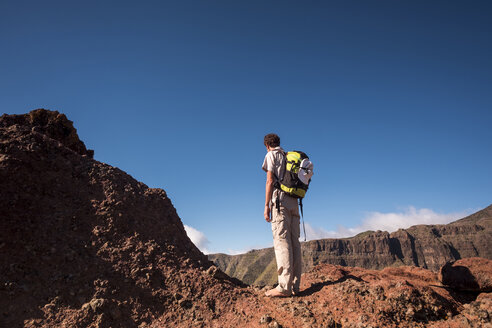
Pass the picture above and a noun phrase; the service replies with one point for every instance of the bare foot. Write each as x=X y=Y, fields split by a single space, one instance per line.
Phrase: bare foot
x=276 y=293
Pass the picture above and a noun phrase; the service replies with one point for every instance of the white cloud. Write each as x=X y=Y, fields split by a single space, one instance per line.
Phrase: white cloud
x=313 y=233
x=198 y=238
x=387 y=222
x=409 y=217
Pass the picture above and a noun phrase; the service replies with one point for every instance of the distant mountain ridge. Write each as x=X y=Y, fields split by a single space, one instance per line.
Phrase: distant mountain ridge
x=426 y=246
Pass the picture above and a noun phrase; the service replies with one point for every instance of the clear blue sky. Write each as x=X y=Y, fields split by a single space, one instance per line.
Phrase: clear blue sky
x=392 y=100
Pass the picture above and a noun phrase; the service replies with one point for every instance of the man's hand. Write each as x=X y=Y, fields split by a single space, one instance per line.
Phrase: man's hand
x=267 y=213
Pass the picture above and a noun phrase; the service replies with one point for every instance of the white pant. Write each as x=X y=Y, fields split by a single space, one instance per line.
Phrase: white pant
x=286 y=233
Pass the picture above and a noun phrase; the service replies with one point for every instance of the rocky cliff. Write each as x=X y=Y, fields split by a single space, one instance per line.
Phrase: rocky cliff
x=83 y=244
x=426 y=246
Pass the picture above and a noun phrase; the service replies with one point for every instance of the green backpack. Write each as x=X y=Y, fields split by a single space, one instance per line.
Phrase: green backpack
x=297 y=174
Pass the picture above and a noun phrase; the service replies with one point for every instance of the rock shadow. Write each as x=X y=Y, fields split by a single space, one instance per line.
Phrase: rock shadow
x=459 y=277
x=316 y=287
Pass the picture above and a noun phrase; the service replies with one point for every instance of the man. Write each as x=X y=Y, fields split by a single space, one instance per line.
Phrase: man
x=283 y=212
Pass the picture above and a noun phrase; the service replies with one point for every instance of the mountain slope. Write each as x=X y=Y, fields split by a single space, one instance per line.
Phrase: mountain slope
x=83 y=244
x=426 y=246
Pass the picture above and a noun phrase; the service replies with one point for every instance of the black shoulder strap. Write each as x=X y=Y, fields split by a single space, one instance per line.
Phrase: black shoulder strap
x=284 y=164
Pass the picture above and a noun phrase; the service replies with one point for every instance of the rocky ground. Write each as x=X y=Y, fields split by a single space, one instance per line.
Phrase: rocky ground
x=83 y=244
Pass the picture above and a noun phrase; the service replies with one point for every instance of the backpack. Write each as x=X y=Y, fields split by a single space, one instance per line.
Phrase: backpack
x=297 y=174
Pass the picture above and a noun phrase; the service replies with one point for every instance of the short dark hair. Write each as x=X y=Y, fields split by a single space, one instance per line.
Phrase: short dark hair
x=271 y=140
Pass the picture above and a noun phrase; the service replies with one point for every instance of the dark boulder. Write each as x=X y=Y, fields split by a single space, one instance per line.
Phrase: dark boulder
x=471 y=274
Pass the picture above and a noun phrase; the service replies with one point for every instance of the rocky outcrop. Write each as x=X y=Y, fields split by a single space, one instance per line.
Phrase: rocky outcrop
x=83 y=244
x=51 y=124
x=426 y=246
x=470 y=274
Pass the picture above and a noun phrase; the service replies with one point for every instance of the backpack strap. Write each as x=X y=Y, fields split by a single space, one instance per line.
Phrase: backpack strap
x=302 y=216
x=276 y=185
x=284 y=161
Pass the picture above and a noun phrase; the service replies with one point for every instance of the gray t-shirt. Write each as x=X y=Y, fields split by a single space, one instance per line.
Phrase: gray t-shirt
x=273 y=162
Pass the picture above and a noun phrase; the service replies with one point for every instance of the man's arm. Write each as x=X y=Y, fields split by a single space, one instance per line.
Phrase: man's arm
x=268 y=195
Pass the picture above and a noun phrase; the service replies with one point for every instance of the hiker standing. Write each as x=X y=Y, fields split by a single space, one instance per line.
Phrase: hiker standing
x=282 y=211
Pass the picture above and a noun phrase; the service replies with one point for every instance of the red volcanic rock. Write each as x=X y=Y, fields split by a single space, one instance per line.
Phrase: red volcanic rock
x=393 y=297
x=472 y=274
x=476 y=314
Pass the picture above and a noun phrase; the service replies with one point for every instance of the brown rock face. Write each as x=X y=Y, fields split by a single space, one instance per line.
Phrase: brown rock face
x=50 y=124
x=84 y=244
x=472 y=274
x=427 y=246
